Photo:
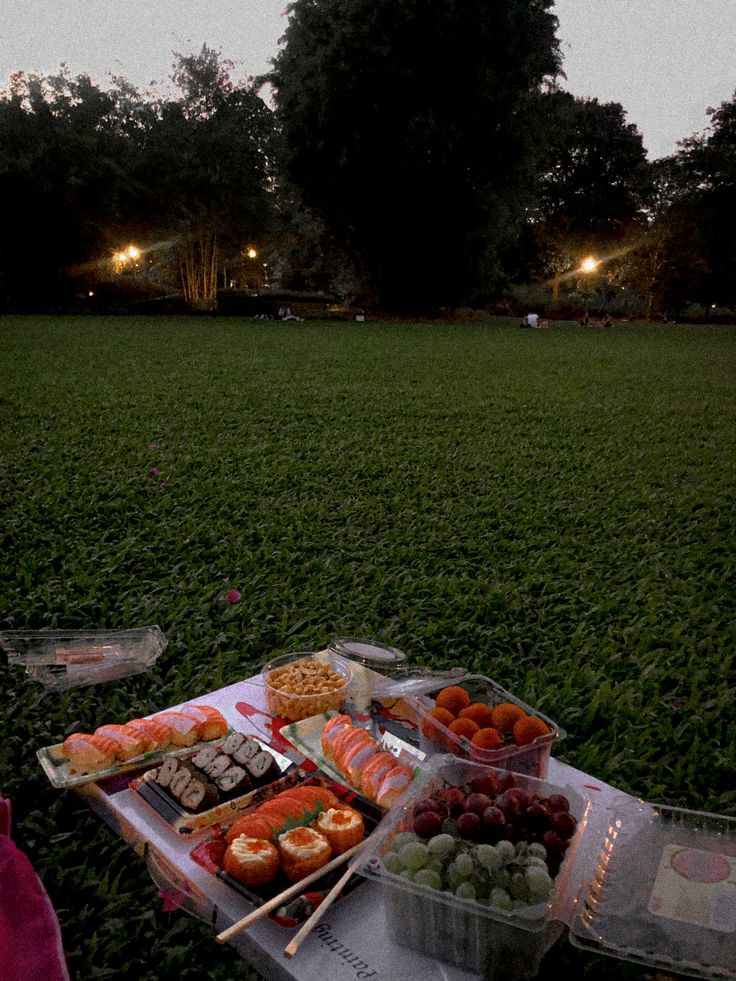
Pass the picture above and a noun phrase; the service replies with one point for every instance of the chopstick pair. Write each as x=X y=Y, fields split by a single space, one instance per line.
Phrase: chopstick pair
x=294 y=890
x=307 y=927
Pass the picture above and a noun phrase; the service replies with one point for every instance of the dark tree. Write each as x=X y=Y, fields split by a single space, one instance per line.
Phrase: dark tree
x=593 y=183
x=407 y=126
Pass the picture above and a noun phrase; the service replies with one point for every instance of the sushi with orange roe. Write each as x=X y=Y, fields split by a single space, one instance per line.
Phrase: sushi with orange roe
x=89 y=753
x=312 y=796
x=332 y=729
x=252 y=861
x=302 y=851
x=342 y=827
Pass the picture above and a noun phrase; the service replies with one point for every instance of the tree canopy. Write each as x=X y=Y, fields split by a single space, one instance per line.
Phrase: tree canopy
x=408 y=126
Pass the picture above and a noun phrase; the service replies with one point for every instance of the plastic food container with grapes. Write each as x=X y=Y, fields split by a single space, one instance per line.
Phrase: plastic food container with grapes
x=304 y=684
x=470 y=934
x=639 y=881
x=434 y=737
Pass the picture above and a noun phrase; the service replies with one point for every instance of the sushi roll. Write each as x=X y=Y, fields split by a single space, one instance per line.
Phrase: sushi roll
x=262 y=767
x=332 y=729
x=205 y=756
x=356 y=760
x=218 y=766
x=180 y=782
x=252 y=861
x=246 y=751
x=184 y=729
x=393 y=785
x=234 y=741
x=342 y=827
x=199 y=794
x=302 y=851
x=128 y=740
x=166 y=771
x=373 y=773
x=234 y=782
x=89 y=753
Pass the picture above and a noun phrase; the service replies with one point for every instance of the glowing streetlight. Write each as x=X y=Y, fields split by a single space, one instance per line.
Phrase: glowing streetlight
x=133 y=252
x=589 y=264
x=252 y=254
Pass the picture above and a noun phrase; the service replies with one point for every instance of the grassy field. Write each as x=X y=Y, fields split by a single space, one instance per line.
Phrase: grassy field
x=554 y=508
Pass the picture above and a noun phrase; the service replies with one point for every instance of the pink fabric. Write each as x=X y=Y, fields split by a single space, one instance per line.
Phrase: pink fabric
x=30 y=939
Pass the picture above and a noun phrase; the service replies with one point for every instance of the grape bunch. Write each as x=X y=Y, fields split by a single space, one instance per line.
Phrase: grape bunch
x=490 y=841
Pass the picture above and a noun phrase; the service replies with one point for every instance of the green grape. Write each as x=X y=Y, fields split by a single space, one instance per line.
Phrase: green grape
x=506 y=850
x=500 y=899
x=441 y=845
x=488 y=857
x=537 y=849
x=503 y=879
x=456 y=876
x=466 y=890
x=393 y=863
x=518 y=887
x=436 y=864
x=464 y=864
x=414 y=855
x=534 y=862
x=402 y=838
x=539 y=882
x=408 y=875
x=428 y=877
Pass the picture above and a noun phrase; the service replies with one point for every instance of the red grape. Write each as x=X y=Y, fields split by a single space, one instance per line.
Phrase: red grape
x=557 y=802
x=563 y=823
x=488 y=784
x=469 y=825
x=477 y=803
x=428 y=824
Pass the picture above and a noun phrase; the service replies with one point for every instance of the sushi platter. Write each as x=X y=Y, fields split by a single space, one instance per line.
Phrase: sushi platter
x=324 y=797
x=115 y=749
x=215 y=783
x=306 y=736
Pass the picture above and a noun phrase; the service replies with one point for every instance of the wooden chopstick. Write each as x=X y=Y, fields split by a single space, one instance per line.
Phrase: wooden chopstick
x=294 y=890
x=307 y=927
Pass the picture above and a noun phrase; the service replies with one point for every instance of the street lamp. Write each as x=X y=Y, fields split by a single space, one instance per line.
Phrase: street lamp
x=252 y=253
x=589 y=264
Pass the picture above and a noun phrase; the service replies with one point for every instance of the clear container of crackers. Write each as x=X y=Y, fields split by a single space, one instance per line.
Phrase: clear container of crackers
x=303 y=684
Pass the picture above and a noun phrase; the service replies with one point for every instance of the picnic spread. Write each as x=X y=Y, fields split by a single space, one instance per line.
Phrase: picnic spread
x=343 y=795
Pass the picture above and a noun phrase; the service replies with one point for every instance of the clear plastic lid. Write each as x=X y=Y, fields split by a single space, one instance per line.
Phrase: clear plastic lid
x=369 y=653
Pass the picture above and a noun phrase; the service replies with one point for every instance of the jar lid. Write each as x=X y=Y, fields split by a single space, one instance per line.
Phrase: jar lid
x=366 y=652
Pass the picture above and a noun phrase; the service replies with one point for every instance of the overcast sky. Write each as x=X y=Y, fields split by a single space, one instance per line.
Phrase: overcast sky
x=666 y=61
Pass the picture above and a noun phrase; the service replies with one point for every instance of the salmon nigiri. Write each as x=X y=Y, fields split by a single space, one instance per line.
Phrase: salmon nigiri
x=129 y=742
x=89 y=753
x=373 y=773
x=393 y=786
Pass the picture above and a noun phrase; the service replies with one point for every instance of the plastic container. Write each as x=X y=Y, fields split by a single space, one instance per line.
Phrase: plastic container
x=288 y=702
x=64 y=659
x=434 y=737
x=663 y=892
x=469 y=934
x=641 y=882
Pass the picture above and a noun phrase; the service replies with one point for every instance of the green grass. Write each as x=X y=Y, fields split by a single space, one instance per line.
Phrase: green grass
x=554 y=509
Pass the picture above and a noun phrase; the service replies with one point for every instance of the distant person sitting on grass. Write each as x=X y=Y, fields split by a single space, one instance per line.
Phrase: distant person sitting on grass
x=606 y=321
x=531 y=320
x=286 y=314
x=585 y=322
